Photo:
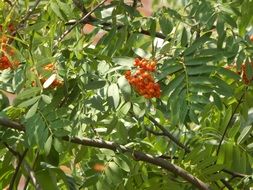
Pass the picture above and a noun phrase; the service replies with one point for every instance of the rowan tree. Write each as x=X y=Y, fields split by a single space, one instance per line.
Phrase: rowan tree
x=100 y=94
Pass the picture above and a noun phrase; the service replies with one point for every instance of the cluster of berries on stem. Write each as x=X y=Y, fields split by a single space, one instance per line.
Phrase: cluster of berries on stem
x=142 y=80
x=6 y=51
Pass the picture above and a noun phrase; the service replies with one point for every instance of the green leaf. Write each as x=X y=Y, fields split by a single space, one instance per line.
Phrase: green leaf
x=165 y=25
x=213 y=169
x=198 y=60
x=138 y=111
x=48 y=144
x=141 y=53
x=122 y=164
x=124 y=61
x=124 y=109
x=32 y=110
x=90 y=180
x=184 y=38
x=217 y=101
x=122 y=132
x=46 y=180
x=29 y=102
x=169 y=69
x=249 y=71
x=199 y=42
x=222 y=87
x=229 y=20
x=178 y=80
x=92 y=85
x=124 y=87
x=46 y=99
x=113 y=95
x=244 y=134
x=228 y=73
x=200 y=69
x=56 y=9
x=28 y=93
x=57 y=145
x=227 y=117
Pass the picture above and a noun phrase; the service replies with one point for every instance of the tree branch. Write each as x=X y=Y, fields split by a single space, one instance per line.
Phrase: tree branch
x=105 y=25
x=11 y=124
x=29 y=12
x=168 y=134
x=140 y=156
x=32 y=176
x=229 y=122
x=235 y=174
x=83 y=19
x=137 y=155
x=156 y=133
x=226 y=184
x=20 y=160
x=8 y=1
x=32 y=169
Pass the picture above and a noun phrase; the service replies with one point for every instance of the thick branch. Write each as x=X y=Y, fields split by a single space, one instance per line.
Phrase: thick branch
x=137 y=155
x=140 y=156
x=11 y=124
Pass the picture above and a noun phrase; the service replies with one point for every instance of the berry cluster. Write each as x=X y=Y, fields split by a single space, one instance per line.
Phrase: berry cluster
x=142 y=80
x=7 y=52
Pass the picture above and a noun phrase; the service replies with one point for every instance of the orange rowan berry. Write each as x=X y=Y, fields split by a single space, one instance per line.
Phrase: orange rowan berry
x=49 y=67
x=251 y=38
x=11 y=27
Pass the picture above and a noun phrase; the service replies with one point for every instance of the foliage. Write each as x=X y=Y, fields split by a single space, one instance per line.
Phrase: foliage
x=70 y=84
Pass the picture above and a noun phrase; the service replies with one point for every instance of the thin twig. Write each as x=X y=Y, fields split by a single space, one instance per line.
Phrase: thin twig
x=226 y=184
x=83 y=19
x=105 y=25
x=32 y=176
x=108 y=26
x=29 y=12
x=229 y=122
x=168 y=134
x=21 y=23
x=20 y=160
x=15 y=153
x=156 y=133
x=33 y=167
x=235 y=174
